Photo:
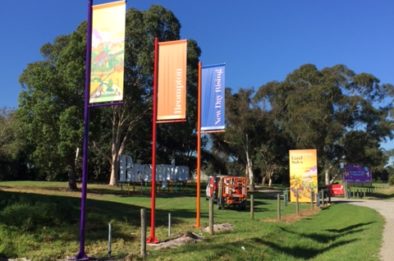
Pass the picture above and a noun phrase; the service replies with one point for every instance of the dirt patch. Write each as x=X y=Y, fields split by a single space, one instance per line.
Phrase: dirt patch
x=190 y=237
x=294 y=217
x=219 y=228
x=186 y=238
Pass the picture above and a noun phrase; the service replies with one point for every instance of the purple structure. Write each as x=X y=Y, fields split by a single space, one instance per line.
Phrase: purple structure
x=81 y=254
x=356 y=174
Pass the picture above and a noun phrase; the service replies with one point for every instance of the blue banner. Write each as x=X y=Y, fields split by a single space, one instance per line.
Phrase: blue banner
x=212 y=98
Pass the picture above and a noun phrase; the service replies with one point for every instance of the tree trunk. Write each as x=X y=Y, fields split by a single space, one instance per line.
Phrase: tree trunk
x=263 y=180
x=72 y=181
x=249 y=170
x=327 y=174
x=118 y=144
x=270 y=175
x=72 y=177
x=122 y=126
x=327 y=177
x=249 y=167
x=115 y=146
x=116 y=151
x=114 y=169
x=270 y=182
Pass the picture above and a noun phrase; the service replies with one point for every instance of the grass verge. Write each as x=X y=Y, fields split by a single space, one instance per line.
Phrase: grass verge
x=40 y=220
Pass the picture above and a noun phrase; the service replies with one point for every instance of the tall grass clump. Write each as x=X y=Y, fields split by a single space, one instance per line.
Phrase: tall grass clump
x=26 y=214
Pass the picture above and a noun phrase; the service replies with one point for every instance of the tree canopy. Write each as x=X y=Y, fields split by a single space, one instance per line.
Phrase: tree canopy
x=343 y=114
x=50 y=105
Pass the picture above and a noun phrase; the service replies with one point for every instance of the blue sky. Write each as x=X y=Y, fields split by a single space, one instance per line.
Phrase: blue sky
x=259 y=40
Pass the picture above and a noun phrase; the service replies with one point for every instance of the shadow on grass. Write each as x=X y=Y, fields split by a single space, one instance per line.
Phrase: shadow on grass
x=257 y=203
x=60 y=214
x=333 y=235
x=266 y=194
x=258 y=210
x=257 y=249
x=350 y=228
x=348 y=200
x=379 y=195
x=302 y=252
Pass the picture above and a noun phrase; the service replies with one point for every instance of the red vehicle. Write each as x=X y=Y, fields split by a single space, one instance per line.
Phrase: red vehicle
x=336 y=190
x=228 y=191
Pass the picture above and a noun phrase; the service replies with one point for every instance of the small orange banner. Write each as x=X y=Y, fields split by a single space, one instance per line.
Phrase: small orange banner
x=171 y=96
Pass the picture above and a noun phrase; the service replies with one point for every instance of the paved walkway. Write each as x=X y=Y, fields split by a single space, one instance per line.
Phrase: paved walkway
x=386 y=209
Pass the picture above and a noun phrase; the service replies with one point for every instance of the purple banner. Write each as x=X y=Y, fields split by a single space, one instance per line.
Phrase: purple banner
x=357 y=174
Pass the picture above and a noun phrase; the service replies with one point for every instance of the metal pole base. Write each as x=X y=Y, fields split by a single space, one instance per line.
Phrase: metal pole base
x=81 y=257
x=152 y=240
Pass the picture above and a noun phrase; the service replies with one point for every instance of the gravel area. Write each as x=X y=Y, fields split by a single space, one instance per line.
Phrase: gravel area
x=386 y=209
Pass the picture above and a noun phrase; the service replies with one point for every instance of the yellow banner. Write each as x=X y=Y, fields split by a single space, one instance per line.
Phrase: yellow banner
x=171 y=96
x=107 y=62
x=303 y=174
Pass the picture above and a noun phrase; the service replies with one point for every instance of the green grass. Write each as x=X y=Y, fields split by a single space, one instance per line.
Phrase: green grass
x=323 y=237
x=40 y=220
x=376 y=191
x=383 y=191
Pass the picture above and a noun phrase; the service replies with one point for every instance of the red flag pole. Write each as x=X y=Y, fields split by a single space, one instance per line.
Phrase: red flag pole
x=198 y=170
x=152 y=238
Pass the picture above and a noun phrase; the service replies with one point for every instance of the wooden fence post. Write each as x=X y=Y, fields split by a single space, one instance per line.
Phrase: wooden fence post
x=312 y=196
x=109 y=239
x=286 y=197
x=278 y=214
x=211 y=220
x=251 y=206
x=169 y=224
x=143 y=233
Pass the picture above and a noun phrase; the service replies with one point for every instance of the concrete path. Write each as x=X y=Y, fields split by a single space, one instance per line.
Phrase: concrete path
x=386 y=209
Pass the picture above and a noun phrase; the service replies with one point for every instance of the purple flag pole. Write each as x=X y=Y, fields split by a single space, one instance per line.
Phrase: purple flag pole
x=81 y=255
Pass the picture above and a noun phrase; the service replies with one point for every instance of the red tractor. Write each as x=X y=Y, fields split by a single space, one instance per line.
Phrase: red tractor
x=228 y=191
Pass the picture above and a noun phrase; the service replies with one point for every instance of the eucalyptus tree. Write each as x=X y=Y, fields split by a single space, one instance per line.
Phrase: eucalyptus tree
x=244 y=131
x=132 y=121
x=12 y=163
x=50 y=105
x=340 y=113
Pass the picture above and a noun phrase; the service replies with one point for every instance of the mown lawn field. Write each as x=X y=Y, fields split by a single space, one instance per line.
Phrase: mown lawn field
x=40 y=220
x=383 y=191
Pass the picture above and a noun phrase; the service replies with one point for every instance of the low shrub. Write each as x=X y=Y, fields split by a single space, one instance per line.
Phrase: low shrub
x=30 y=216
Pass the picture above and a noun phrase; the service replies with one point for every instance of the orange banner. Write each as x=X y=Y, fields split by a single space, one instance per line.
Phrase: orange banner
x=171 y=96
